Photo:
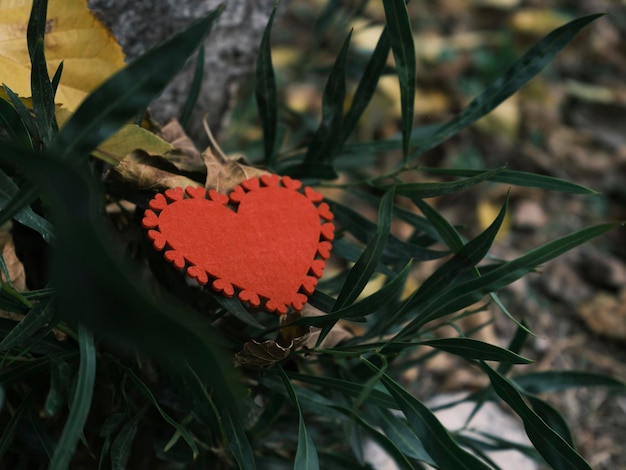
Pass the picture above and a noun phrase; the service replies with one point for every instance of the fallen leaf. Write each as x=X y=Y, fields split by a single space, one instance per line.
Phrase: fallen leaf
x=226 y=172
x=141 y=170
x=74 y=36
x=14 y=266
x=184 y=153
x=263 y=354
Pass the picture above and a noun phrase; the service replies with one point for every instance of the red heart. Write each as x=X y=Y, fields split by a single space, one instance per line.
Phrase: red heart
x=273 y=247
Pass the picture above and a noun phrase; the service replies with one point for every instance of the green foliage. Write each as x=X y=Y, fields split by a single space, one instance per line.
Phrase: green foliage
x=163 y=358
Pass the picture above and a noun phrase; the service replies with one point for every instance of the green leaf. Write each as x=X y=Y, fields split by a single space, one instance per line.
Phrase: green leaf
x=376 y=397
x=194 y=89
x=237 y=439
x=306 y=453
x=444 y=228
x=400 y=434
x=122 y=445
x=350 y=252
x=551 y=417
x=266 y=98
x=557 y=381
x=473 y=349
x=514 y=78
x=36 y=28
x=437 y=441
x=518 y=178
x=556 y=451
x=367 y=85
x=13 y=125
x=462 y=295
x=8 y=433
x=328 y=139
x=364 y=230
x=465 y=259
x=147 y=393
x=27 y=119
x=381 y=439
x=426 y=190
x=401 y=41
x=129 y=91
x=364 y=307
x=43 y=96
x=517 y=343
x=81 y=402
x=366 y=265
x=14 y=202
x=36 y=318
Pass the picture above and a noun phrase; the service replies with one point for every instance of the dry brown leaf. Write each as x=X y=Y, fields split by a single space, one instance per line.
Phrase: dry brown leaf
x=14 y=266
x=74 y=36
x=141 y=170
x=224 y=173
x=185 y=155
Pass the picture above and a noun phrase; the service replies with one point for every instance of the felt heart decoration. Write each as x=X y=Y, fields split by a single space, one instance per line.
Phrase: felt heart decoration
x=268 y=240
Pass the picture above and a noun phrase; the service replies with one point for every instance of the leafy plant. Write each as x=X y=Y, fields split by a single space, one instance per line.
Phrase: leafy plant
x=147 y=372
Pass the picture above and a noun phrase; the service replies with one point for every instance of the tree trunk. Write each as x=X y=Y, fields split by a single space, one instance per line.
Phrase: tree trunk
x=230 y=49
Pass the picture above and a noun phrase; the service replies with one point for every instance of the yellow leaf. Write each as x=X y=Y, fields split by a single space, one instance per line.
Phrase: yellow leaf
x=74 y=36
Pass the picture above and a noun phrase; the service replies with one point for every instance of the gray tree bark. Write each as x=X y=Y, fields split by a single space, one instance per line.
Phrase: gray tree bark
x=230 y=49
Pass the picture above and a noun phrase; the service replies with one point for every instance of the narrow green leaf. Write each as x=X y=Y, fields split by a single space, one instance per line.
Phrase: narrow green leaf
x=25 y=116
x=366 y=265
x=400 y=434
x=26 y=370
x=13 y=125
x=81 y=402
x=237 y=439
x=514 y=78
x=437 y=441
x=444 y=228
x=364 y=230
x=518 y=178
x=367 y=85
x=14 y=202
x=266 y=97
x=56 y=79
x=36 y=28
x=474 y=349
x=426 y=190
x=128 y=91
x=36 y=318
x=147 y=393
x=517 y=343
x=43 y=95
x=465 y=259
x=551 y=416
x=121 y=446
x=364 y=307
x=234 y=306
x=8 y=433
x=462 y=295
x=328 y=139
x=558 y=453
x=350 y=252
x=557 y=381
x=389 y=445
x=306 y=453
x=376 y=397
x=401 y=41
x=194 y=89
